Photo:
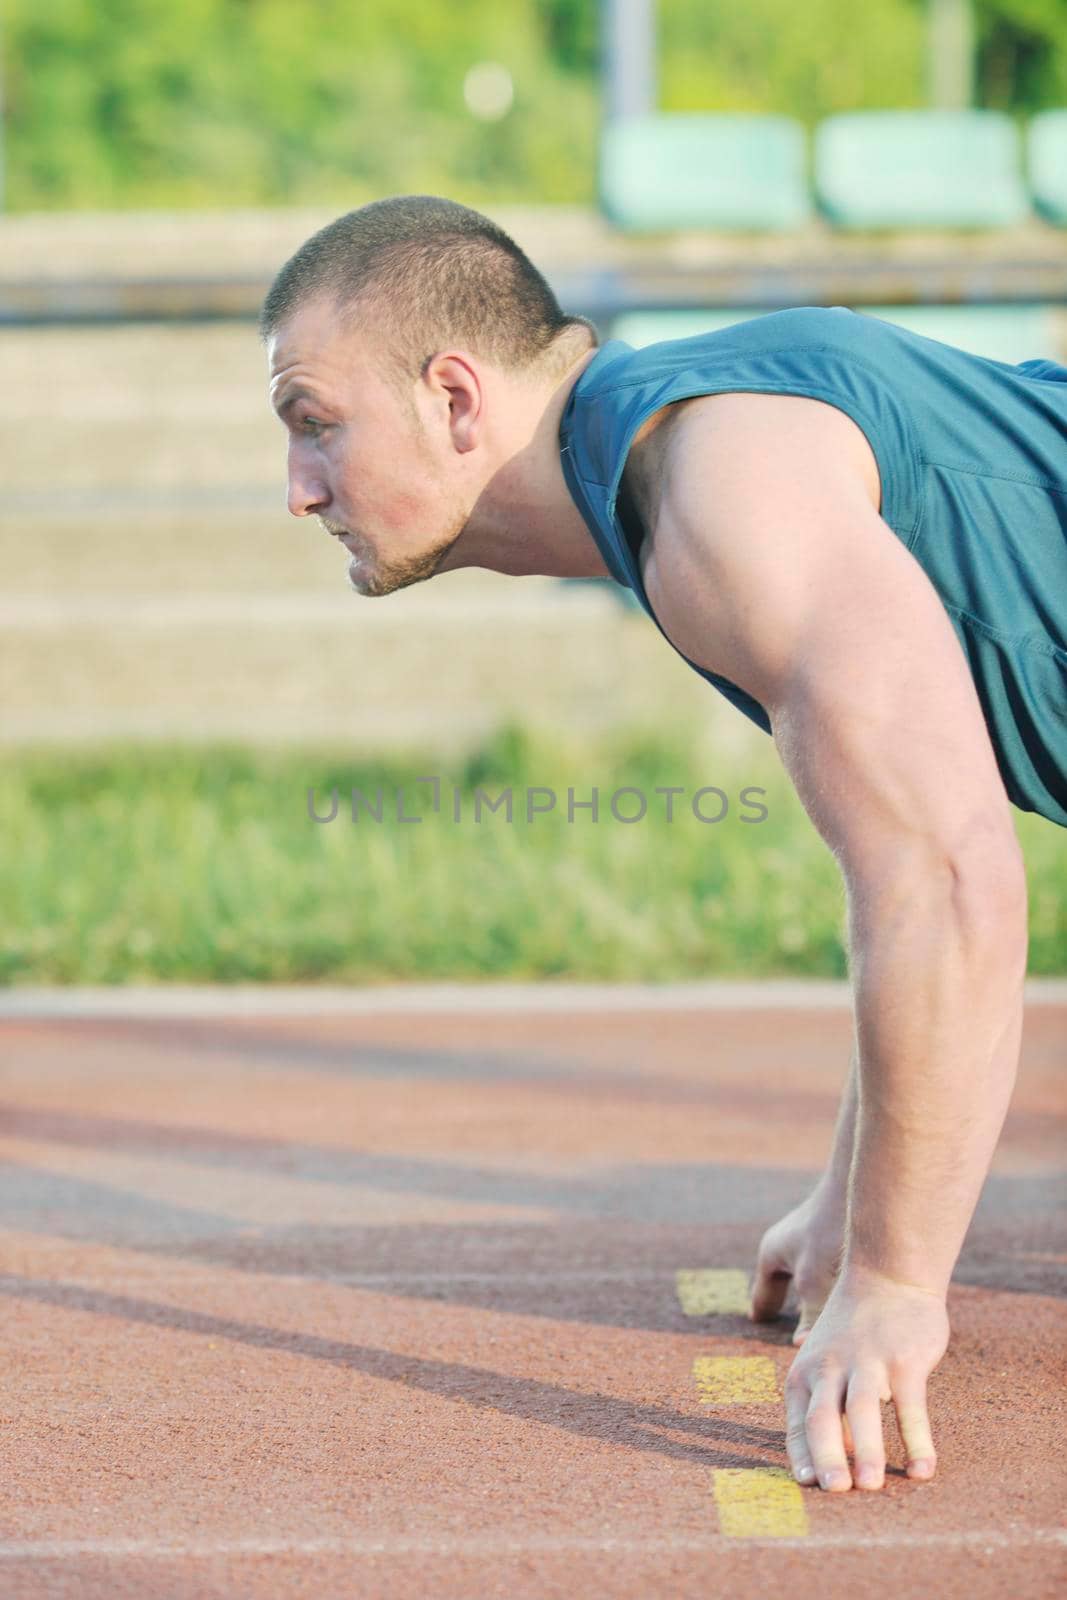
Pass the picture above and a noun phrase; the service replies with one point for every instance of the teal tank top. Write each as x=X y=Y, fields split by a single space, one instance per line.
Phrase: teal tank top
x=972 y=455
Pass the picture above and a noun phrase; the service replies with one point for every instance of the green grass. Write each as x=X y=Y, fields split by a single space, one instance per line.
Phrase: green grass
x=153 y=864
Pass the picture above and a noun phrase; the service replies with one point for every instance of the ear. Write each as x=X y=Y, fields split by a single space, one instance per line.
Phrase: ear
x=456 y=383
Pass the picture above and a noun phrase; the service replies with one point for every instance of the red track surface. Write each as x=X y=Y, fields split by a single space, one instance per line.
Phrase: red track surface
x=385 y=1306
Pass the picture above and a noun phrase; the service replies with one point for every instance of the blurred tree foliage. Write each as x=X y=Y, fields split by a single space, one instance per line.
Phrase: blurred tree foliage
x=1021 y=49
x=229 y=102
x=235 y=102
x=807 y=60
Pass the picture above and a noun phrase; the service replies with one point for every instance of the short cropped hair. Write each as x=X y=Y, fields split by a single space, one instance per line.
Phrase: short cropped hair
x=427 y=273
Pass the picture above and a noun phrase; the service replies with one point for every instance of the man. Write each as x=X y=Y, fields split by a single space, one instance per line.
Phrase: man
x=860 y=537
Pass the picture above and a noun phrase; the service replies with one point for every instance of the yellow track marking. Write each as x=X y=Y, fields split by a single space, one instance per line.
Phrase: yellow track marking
x=703 y=1291
x=736 y=1380
x=759 y=1503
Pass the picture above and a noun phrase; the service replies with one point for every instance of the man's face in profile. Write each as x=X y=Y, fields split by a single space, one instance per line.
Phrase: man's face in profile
x=360 y=459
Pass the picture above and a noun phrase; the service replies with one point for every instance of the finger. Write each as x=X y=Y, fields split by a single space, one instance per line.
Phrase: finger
x=768 y=1293
x=909 y=1399
x=770 y=1287
x=826 y=1440
x=810 y=1311
x=863 y=1415
x=796 y=1433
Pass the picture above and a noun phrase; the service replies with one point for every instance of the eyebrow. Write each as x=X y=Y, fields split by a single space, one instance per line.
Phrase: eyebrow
x=291 y=399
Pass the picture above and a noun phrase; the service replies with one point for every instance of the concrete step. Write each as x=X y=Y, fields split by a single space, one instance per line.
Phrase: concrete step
x=376 y=674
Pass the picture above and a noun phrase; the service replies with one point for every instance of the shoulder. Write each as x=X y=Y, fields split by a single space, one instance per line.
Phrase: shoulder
x=620 y=365
x=758 y=498
x=760 y=445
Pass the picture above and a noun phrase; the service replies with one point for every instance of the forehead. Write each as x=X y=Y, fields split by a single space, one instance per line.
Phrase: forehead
x=313 y=347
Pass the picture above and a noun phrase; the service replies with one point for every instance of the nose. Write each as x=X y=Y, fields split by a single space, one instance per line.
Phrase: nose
x=308 y=495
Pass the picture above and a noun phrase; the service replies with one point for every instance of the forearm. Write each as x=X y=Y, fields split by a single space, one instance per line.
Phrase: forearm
x=834 y=1181
x=938 y=970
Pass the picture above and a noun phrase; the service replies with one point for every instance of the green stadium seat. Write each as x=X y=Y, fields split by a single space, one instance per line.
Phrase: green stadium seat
x=919 y=169
x=1047 y=164
x=704 y=170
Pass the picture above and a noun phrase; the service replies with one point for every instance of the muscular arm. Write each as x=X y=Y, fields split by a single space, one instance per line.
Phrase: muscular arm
x=769 y=561
x=937 y=946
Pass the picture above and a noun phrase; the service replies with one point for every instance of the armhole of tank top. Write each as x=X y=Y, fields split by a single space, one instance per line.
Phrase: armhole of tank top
x=901 y=507
x=901 y=502
x=905 y=519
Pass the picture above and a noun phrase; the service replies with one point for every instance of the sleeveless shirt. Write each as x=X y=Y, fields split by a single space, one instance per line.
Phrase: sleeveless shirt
x=972 y=455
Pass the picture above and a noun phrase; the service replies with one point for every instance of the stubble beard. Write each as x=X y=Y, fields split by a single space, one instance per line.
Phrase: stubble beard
x=382 y=576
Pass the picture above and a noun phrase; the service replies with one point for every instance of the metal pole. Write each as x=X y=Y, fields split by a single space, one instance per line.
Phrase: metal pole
x=950 y=54
x=628 y=56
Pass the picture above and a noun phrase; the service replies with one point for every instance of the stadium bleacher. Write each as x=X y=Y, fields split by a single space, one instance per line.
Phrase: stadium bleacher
x=869 y=171
x=1047 y=165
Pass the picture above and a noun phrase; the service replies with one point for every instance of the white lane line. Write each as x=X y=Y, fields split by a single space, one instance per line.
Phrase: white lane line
x=191 y=1000
x=71 y=1549
x=167 y=1272
x=264 y=1000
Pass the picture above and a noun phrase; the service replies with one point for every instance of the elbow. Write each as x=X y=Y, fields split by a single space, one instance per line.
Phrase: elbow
x=974 y=891
x=979 y=893
x=987 y=864
x=989 y=892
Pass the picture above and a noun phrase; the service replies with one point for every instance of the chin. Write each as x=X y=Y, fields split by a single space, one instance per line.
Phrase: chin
x=370 y=577
x=373 y=585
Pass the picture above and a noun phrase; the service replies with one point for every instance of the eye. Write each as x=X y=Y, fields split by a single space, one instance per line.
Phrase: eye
x=311 y=426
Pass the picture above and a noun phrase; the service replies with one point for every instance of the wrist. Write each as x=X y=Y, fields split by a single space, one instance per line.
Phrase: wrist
x=830 y=1195
x=861 y=1276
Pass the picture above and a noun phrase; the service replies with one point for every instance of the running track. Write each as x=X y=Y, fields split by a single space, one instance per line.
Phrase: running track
x=390 y=1296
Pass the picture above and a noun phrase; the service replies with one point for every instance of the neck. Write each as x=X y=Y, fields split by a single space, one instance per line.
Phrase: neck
x=525 y=521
